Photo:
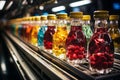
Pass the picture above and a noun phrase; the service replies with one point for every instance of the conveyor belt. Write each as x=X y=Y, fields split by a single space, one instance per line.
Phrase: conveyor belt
x=8 y=68
x=46 y=68
x=81 y=72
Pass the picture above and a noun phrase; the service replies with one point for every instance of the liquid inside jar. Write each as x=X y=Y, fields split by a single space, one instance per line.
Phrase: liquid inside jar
x=101 y=51
x=115 y=35
x=48 y=37
x=87 y=32
x=28 y=32
x=75 y=45
x=41 y=35
x=34 y=34
x=59 y=39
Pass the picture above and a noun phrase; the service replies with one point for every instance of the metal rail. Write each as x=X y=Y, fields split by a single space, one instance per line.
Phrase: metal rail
x=81 y=72
x=47 y=68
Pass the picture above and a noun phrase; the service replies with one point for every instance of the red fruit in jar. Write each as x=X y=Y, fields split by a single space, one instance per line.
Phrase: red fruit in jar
x=110 y=64
x=70 y=57
x=105 y=65
x=76 y=42
x=92 y=58
x=76 y=51
x=93 y=64
x=74 y=56
x=80 y=56
x=67 y=54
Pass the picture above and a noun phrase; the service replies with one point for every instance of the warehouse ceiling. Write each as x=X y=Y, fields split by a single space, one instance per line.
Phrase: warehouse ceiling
x=19 y=8
x=13 y=8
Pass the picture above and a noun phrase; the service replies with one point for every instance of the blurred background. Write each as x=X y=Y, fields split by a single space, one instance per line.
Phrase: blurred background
x=10 y=9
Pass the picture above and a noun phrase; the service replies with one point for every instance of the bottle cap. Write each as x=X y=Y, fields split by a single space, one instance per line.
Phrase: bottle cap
x=114 y=17
x=101 y=14
x=51 y=17
x=62 y=16
x=86 y=17
x=43 y=17
x=37 y=18
x=76 y=14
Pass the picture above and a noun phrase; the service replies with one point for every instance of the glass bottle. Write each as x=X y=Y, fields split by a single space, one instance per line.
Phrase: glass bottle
x=115 y=32
x=101 y=48
x=34 y=33
x=76 y=40
x=29 y=27
x=17 y=25
x=20 y=28
x=48 y=36
x=23 y=28
x=86 y=28
x=41 y=32
x=60 y=36
x=26 y=25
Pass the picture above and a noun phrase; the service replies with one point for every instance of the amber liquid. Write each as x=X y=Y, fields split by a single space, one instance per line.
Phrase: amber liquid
x=101 y=51
x=75 y=45
x=59 y=39
x=48 y=37
x=34 y=34
x=28 y=32
x=115 y=35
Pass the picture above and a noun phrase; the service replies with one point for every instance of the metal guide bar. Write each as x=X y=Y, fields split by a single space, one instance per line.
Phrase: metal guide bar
x=53 y=71
x=23 y=68
x=82 y=71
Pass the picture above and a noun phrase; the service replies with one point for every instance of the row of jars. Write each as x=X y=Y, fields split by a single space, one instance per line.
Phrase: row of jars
x=72 y=39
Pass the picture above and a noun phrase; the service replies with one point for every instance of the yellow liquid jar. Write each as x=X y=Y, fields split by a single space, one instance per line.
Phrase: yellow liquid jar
x=115 y=32
x=59 y=37
x=35 y=29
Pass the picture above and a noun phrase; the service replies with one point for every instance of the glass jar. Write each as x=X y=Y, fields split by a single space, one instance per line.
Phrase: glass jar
x=41 y=32
x=29 y=26
x=76 y=40
x=24 y=20
x=60 y=36
x=34 y=32
x=48 y=36
x=115 y=32
x=101 y=48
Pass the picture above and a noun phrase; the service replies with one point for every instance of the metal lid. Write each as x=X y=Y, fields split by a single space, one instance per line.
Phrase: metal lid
x=62 y=16
x=86 y=17
x=114 y=17
x=101 y=14
x=76 y=14
x=51 y=17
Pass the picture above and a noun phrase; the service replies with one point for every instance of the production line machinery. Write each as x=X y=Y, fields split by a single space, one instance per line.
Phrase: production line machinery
x=33 y=63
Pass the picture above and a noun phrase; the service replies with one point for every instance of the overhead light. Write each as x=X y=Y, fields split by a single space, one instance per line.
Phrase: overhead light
x=9 y=5
x=24 y=2
x=80 y=3
x=2 y=3
x=56 y=2
x=41 y=7
x=59 y=8
x=31 y=1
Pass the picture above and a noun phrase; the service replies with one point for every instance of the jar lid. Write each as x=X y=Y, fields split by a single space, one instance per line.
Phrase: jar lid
x=86 y=17
x=62 y=16
x=101 y=14
x=114 y=17
x=43 y=17
x=37 y=18
x=30 y=18
x=76 y=14
x=51 y=17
